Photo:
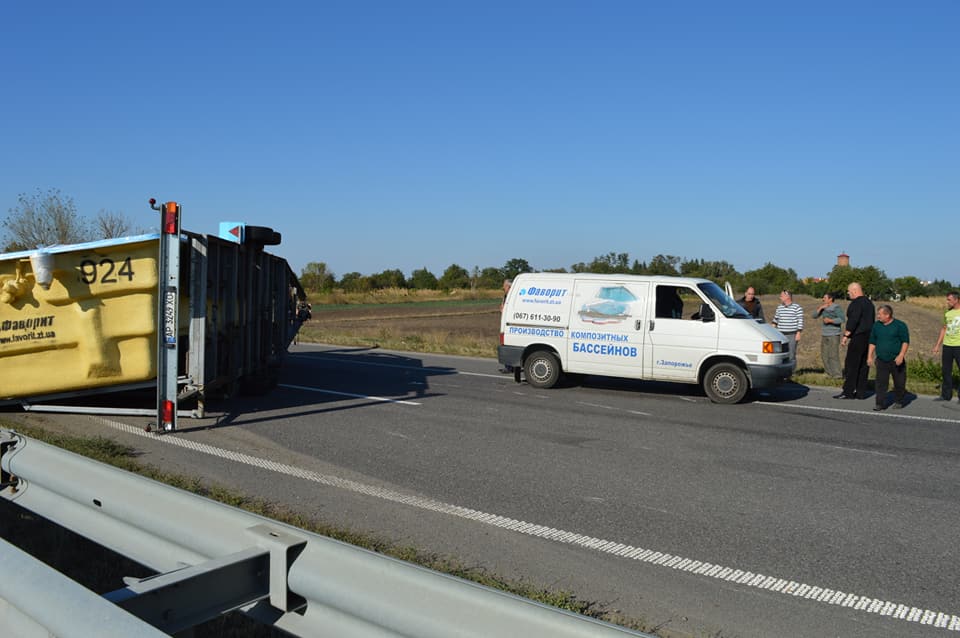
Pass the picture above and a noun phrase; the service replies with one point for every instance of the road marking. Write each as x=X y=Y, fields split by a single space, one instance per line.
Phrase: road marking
x=416 y=368
x=858 y=602
x=346 y=394
x=855 y=449
x=615 y=409
x=597 y=405
x=889 y=415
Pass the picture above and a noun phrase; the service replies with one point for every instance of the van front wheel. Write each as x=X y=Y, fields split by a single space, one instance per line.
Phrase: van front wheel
x=542 y=369
x=725 y=383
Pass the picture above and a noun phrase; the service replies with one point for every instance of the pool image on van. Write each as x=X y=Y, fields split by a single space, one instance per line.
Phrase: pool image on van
x=611 y=305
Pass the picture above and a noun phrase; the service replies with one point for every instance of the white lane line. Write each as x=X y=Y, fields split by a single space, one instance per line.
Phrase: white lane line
x=596 y=405
x=887 y=414
x=859 y=602
x=610 y=407
x=855 y=449
x=440 y=371
x=346 y=394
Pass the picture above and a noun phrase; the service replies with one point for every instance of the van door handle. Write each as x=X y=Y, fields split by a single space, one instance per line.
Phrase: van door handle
x=652 y=324
x=638 y=324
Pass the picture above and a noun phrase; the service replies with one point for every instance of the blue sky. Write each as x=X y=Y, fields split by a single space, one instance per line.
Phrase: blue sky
x=379 y=134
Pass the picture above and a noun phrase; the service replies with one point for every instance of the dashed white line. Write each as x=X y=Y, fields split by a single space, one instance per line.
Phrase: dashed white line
x=855 y=449
x=889 y=415
x=346 y=394
x=859 y=602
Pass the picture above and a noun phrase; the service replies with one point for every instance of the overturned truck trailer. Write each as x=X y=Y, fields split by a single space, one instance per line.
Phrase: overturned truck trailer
x=202 y=312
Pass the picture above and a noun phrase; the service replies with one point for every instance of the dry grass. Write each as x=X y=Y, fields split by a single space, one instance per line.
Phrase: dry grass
x=399 y=295
x=463 y=327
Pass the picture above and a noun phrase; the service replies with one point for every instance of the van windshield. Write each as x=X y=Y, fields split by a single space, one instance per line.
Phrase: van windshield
x=723 y=301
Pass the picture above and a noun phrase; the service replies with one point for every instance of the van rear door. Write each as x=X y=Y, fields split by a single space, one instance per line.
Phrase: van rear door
x=607 y=327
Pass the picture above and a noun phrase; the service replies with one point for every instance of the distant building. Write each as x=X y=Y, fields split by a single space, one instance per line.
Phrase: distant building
x=843 y=259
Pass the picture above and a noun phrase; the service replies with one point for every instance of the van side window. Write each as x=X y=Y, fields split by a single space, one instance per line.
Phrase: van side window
x=677 y=302
x=669 y=303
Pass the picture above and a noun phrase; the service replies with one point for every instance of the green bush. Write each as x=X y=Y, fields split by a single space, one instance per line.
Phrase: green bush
x=924 y=369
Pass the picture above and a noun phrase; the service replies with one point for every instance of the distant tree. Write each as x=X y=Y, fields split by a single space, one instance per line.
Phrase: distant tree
x=355 y=282
x=514 y=267
x=814 y=288
x=908 y=287
x=717 y=271
x=840 y=277
x=638 y=267
x=491 y=278
x=388 y=279
x=317 y=277
x=874 y=281
x=109 y=224
x=44 y=219
x=664 y=265
x=454 y=277
x=771 y=279
x=560 y=269
x=605 y=264
x=938 y=287
x=423 y=279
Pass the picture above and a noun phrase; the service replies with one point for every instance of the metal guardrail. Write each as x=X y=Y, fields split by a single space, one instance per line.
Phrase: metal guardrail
x=213 y=558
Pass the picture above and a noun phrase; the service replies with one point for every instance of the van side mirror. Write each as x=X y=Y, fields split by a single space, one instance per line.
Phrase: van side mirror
x=706 y=313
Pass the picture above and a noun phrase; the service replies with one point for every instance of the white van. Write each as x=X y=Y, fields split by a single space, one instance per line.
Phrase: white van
x=644 y=327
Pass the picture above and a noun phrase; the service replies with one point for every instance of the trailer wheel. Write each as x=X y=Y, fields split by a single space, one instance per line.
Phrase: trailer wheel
x=542 y=369
x=261 y=235
x=725 y=383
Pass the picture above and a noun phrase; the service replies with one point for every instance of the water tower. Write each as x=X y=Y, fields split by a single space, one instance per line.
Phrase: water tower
x=843 y=259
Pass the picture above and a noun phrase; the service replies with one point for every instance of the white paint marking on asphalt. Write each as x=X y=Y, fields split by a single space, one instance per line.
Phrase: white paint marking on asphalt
x=860 y=602
x=347 y=394
x=440 y=371
x=889 y=415
x=855 y=449
x=610 y=407
x=596 y=405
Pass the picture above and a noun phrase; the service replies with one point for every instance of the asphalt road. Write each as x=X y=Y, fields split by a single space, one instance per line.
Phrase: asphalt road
x=793 y=514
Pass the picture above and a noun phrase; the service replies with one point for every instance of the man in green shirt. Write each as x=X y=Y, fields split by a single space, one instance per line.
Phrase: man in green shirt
x=889 y=340
x=950 y=340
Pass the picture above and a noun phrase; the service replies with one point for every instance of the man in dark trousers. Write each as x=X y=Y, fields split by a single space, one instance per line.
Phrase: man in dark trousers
x=889 y=341
x=856 y=337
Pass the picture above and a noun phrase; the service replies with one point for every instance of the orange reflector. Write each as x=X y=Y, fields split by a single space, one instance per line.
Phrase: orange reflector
x=170 y=218
x=768 y=347
x=501 y=338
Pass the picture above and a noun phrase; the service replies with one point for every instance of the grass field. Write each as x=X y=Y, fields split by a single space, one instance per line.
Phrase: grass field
x=469 y=324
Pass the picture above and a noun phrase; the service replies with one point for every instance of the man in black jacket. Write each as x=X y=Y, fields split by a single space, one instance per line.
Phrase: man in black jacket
x=856 y=336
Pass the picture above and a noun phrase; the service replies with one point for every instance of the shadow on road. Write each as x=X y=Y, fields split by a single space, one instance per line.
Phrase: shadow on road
x=328 y=381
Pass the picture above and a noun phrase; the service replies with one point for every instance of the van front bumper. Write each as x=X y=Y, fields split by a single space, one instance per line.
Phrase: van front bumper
x=510 y=355
x=766 y=376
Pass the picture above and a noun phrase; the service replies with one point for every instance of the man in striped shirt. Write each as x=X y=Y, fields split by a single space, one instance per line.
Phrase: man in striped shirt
x=788 y=319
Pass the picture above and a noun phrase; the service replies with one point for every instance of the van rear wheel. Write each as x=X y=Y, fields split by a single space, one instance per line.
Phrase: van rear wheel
x=725 y=383
x=542 y=369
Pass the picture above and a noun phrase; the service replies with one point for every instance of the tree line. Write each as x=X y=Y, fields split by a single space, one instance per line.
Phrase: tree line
x=47 y=218
x=768 y=279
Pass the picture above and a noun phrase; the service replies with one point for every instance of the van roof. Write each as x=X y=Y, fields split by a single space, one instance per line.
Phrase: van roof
x=611 y=277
